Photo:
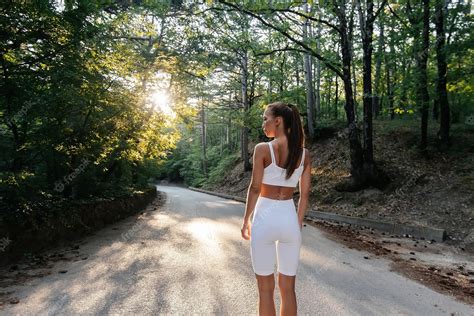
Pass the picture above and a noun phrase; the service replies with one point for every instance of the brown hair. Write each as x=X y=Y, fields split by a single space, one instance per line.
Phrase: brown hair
x=293 y=131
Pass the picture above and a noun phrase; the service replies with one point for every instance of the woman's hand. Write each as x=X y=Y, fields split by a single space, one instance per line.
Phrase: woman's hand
x=246 y=230
x=300 y=222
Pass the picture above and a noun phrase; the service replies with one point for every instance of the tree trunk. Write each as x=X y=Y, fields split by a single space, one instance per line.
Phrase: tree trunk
x=356 y=180
x=244 y=131
x=378 y=68
x=281 y=86
x=318 y=78
x=372 y=174
x=351 y=49
x=367 y=30
x=328 y=97
x=228 y=134
x=270 y=83
x=337 y=98
x=203 y=140
x=435 y=112
x=390 y=95
x=308 y=82
x=442 y=93
x=422 y=60
x=297 y=78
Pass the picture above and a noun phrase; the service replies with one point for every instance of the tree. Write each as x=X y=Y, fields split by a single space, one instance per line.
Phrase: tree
x=441 y=92
x=308 y=69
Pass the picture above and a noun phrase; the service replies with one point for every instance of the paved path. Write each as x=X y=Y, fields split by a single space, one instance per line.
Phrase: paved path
x=188 y=258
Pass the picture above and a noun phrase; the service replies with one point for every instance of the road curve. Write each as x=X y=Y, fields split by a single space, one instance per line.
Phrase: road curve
x=188 y=258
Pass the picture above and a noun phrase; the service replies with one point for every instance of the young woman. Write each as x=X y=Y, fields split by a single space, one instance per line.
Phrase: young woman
x=275 y=229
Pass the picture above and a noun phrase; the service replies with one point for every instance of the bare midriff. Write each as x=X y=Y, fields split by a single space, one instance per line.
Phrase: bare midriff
x=276 y=192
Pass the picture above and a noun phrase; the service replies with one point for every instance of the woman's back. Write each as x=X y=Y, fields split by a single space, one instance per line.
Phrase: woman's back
x=274 y=185
x=275 y=175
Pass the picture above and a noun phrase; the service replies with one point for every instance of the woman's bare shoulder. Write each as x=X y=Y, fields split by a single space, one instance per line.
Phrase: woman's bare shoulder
x=260 y=147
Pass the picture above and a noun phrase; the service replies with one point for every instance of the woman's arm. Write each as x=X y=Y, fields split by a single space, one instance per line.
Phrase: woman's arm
x=305 y=187
x=254 y=188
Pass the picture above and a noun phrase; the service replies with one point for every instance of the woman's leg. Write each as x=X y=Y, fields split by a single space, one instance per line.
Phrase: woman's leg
x=266 y=289
x=288 y=253
x=286 y=283
x=263 y=253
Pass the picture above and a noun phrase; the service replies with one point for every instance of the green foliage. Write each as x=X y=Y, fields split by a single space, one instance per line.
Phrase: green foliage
x=74 y=120
x=222 y=164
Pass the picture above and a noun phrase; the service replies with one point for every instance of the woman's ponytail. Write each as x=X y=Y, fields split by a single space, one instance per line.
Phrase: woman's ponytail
x=293 y=131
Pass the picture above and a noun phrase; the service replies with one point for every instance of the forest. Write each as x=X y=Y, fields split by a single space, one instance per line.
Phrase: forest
x=101 y=98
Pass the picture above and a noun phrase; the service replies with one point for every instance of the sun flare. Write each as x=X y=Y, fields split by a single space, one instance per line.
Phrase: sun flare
x=162 y=102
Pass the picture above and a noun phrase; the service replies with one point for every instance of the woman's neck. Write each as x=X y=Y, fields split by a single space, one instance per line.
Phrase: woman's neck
x=280 y=139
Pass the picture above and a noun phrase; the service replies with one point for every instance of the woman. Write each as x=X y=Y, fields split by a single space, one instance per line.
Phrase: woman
x=275 y=229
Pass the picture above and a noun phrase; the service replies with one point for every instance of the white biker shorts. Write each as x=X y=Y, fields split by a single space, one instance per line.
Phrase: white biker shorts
x=275 y=237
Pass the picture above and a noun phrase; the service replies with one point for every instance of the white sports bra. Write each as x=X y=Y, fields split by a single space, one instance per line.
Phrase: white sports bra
x=274 y=175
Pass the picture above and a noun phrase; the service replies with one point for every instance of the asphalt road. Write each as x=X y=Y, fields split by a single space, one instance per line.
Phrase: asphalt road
x=188 y=258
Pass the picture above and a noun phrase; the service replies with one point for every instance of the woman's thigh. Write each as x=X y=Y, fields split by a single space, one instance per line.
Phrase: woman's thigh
x=263 y=237
x=289 y=243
